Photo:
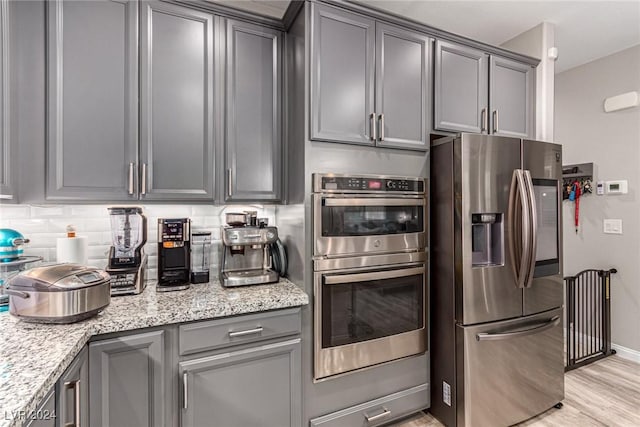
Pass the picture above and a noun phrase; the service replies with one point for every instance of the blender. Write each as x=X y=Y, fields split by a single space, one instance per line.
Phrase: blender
x=127 y=260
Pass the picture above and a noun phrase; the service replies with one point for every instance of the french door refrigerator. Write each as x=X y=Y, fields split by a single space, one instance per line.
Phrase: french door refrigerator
x=497 y=291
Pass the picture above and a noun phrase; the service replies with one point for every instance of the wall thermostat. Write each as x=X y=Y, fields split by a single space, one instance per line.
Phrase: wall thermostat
x=600 y=188
x=616 y=187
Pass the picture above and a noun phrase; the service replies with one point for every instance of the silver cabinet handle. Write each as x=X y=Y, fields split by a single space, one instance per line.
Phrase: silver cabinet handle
x=143 y=179
x=495 y=121
x=75 y=385
x=130 y=178
x=483 y=120
x=381 y=119
x=372 y=126
x=229 y=182
x=385 y=413
x=257 y=330
x=185 y=390
x=523 y=333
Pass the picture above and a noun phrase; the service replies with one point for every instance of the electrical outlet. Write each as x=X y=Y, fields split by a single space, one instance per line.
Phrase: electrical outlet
x=612 y=226
x=446 y=393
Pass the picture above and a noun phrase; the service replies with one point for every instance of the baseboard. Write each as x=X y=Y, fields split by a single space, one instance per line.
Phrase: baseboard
x=626 y=353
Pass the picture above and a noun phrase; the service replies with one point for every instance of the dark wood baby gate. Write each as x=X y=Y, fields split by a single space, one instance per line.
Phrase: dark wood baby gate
x=588 y=321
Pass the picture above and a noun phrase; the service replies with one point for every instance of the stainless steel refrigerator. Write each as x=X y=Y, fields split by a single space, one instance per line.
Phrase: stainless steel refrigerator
x=497 y=291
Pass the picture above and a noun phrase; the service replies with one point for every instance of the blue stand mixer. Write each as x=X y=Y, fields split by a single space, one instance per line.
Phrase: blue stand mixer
x=11 y=259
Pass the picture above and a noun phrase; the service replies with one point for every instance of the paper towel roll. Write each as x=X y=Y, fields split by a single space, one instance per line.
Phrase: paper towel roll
x=72 y=249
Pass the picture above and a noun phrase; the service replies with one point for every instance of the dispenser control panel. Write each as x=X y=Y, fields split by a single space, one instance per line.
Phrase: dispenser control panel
x=173 y=232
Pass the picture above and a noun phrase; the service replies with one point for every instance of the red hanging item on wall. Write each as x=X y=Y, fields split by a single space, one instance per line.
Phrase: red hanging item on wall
x=577 y=191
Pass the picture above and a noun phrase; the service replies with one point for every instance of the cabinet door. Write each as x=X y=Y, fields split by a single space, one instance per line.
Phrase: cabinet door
x=403 y=78
x=342 y=73
x=127 y=385
x=260 y=386
x=176 y=105
x=254 y=113
x=6 y=170
x=460 y=88
x=45 y=413
x=92 y=89
x=73 y=393
x=511 y=97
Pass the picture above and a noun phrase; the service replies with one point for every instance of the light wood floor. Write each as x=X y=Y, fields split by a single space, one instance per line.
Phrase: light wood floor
x=604 y=393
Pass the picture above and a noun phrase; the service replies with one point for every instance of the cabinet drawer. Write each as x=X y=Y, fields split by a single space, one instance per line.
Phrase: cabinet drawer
x=378 y=411
x=202 y=336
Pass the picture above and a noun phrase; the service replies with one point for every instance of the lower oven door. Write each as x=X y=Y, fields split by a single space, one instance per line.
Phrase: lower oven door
x=363 y=317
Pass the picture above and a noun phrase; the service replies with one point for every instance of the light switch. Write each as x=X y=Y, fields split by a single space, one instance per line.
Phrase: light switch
x=612 y=226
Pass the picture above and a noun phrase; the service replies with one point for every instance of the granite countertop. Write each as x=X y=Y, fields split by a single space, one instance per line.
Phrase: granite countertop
x=33 y=356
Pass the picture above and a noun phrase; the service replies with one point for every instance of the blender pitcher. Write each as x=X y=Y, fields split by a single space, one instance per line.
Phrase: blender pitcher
x=200 y=256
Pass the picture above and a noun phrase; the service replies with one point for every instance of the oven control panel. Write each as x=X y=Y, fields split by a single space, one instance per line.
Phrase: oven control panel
x=370 y=184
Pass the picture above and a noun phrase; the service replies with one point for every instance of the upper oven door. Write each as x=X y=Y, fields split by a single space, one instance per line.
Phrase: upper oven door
x=347 y=225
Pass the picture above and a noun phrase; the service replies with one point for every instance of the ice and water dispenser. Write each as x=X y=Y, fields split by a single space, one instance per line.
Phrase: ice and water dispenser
x=487 y=239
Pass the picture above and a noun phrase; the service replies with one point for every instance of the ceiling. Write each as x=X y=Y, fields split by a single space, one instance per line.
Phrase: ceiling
x=584 y=30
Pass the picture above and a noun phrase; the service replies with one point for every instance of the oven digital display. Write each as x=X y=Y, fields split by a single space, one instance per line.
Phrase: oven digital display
x=374 y=185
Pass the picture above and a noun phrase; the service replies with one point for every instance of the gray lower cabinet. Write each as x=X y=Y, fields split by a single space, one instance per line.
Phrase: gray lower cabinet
x=342 y=76
x=92 y=96
x=403 y=82
x=45 y=413
x=127 y=381
x=176 y=104
x=378 y=411
x=460 y=88
x=253 y=142
x=481 y=93
x=6 y=167
x=255 y=387
x=72 y=393
x=511 y=95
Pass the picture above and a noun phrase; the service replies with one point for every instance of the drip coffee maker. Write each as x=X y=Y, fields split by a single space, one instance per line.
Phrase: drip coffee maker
x=127 y=260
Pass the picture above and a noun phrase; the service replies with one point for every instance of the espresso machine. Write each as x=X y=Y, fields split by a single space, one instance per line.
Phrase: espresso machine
x=127 y=261
x=174 y=254
x=246 y=251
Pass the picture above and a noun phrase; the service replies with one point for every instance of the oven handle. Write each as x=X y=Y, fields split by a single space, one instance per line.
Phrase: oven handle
x=331 y=201
x=377 y=275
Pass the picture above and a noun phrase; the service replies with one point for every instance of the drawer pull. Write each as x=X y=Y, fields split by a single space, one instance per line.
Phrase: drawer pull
x=385 y=413
x=257 y=330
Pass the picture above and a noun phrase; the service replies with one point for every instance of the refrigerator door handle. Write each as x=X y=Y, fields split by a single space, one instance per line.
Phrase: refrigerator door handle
x=523 y=333
x=519 y=228
x=533 y=225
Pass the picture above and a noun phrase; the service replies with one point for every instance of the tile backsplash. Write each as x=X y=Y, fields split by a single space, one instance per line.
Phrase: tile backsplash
x=44 y=224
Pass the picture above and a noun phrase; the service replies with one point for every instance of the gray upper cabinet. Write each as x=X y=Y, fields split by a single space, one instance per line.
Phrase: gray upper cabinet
x=253 y=143
x=511 y=93
x=176 y=105
x=460 y=88
x=72 y=393
x=92 y=91
x=475 y=92
x=255 y=387
x=128 y=376
x=403 y=79
x=6 y=170
x=342 y=76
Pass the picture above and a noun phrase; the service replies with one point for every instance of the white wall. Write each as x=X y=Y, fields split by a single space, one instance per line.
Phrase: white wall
x=612 y=142
x=536 y=43
x=44 y=224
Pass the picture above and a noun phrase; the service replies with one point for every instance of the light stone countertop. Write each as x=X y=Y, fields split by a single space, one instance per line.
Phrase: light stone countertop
x=33 y=356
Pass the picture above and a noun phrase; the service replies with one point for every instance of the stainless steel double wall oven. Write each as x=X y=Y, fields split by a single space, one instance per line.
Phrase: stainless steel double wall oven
x=370 y=270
